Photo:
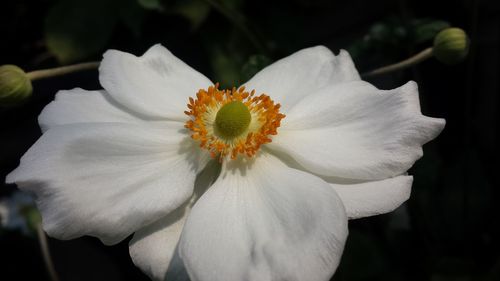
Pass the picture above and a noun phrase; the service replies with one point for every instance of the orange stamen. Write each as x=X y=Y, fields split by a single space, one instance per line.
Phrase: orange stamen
x=202 y=109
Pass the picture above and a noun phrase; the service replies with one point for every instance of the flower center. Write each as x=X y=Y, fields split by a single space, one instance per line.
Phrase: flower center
x=232 y=119
x=232 y=122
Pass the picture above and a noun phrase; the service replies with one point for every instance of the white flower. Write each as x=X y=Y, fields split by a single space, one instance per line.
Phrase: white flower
x=121 y=160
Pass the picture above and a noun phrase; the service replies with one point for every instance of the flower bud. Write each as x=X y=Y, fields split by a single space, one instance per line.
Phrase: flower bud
x=15 y=85
x=451 y=45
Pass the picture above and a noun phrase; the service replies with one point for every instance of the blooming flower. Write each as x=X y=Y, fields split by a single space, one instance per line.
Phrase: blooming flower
x=304 y=145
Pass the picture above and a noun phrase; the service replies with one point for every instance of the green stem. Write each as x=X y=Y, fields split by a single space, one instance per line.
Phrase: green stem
x=239 y=22
x=62 y=70
x=416 y=59
x=44 y=247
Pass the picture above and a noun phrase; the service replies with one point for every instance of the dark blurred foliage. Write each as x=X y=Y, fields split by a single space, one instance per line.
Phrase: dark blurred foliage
x=449 y=228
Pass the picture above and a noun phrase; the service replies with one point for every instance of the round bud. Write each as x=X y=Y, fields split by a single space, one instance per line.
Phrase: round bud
x=15 y=85
x=451 y=45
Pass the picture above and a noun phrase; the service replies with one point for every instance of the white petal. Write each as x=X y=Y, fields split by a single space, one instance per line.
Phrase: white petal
x=107 y=179
x=374 y=198
x=262 y=220
x=82 y=106
x=158 y=84
x=306 y=71
x=154 y=248
x=353 y=130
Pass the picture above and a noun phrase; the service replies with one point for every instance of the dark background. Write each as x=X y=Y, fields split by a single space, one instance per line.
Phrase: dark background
x=449 y=228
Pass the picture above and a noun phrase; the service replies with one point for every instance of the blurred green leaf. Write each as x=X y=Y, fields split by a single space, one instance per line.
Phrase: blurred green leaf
x=196 y=11
x=380 y=32
x=32 y=216
x=426 y=29
x=151 y=4
x=384 y=42
x=76 y=29
x=225 y=66
x=387 y=33
x=254 y=64
x=232 y=4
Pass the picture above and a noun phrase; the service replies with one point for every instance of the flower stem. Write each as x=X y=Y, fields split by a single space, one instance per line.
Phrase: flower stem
x=239 y=22
x=62 y=70
x=413 y=60
x=44 y=247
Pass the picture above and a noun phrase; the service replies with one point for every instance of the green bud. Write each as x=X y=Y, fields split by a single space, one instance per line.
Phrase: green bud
x=232 y=119
x=451 y=45
x=15 y=85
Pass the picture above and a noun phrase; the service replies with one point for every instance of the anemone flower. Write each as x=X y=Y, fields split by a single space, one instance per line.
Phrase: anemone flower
x=300 y=148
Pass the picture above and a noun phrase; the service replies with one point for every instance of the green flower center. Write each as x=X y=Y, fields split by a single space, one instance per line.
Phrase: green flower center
x=232 y=119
